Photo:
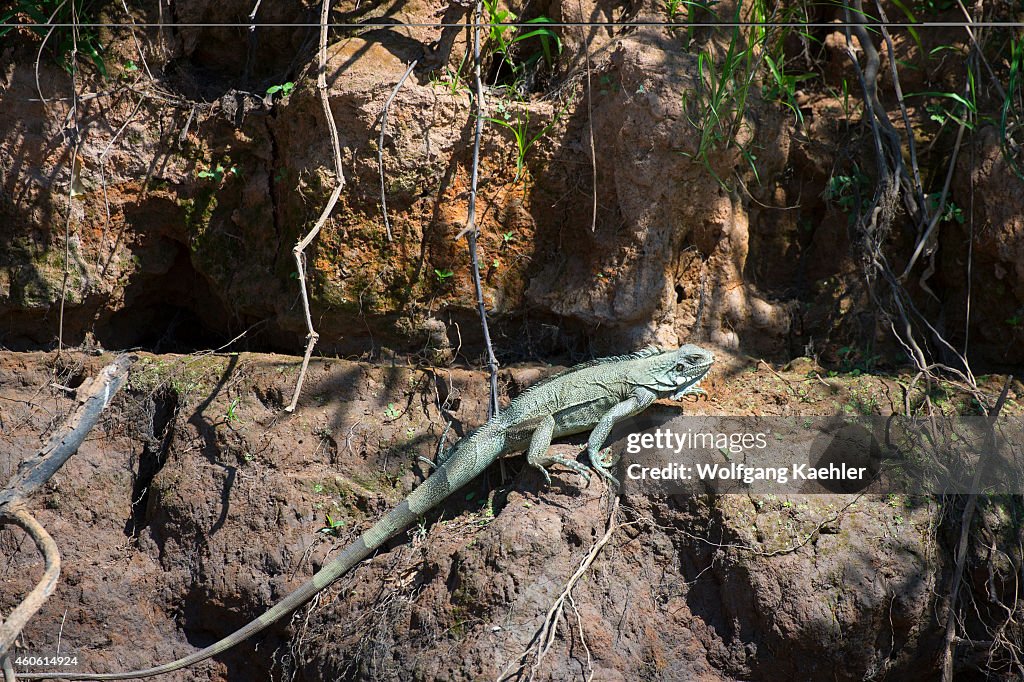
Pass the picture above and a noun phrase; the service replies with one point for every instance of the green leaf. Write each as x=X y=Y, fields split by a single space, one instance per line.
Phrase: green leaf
x=949 y=95
x=910 y=29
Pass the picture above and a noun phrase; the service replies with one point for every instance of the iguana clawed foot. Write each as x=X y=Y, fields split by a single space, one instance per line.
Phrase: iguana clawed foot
x=564 y=461
x=692 y=389
x=602 y=461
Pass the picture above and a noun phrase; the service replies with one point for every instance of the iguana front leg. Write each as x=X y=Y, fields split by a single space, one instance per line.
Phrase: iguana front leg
x=537 y=455
x=638 y=402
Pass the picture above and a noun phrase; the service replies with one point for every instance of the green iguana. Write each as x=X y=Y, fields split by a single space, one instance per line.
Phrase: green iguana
x=594 y=395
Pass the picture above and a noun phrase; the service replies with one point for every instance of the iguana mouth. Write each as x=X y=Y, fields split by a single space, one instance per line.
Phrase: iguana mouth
x=693 y=386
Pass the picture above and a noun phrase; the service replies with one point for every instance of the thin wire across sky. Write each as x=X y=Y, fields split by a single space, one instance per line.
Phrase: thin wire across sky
x=552 y=24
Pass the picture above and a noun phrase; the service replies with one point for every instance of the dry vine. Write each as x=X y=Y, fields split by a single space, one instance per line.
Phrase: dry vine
x=93 y=397
x=590 y=125
x=471 y=231
x=544 y=637
x=380 y=146
x=299 y=251
x=911 y=328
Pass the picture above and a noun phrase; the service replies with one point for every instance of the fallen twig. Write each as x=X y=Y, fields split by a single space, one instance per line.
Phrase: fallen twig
x=93 y=396
x=545 y=635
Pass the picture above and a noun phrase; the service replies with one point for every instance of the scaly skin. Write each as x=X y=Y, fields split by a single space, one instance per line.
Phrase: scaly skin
x=594 y=396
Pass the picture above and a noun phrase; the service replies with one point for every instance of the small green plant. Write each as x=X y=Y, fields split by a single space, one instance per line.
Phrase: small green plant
x=854 y=362
x=443 y=275
x=727 y=73
x=284 y=89
x=502 y=37
x=674 y=10
x=679 y=11
x=506 y=238
x=784 y=85
x=717 y=108
x=950 y=213
x=952 y=106
x=391 y=412
x=333 y=526
x=847 y=109
x=65 y=26
x=217 y=173
x=934 y=6
x=231 y=416
x=517 y=120
x=607 y=84
x=1011 y=113
x=847 y=191
x=452 y=80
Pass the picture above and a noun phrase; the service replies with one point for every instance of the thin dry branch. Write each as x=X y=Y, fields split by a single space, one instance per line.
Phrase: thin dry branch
x=251 y=56
x=917 y=186
x=299 y=251
x=981 y=53
x=961 y=550
x=924 y=241
x=380 y=146
x=590 y=124
x=73 y=174
x=93 y=396
x=39 y=54
x=71 y=131
x=471 y=232
x=545 y=635
x=135 y=39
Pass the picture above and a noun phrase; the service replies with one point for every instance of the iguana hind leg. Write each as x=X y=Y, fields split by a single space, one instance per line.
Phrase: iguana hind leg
x=537 y=454
x=443 y=454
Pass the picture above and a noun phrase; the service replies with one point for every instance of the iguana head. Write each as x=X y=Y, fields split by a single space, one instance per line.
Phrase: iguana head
x=678 y=372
